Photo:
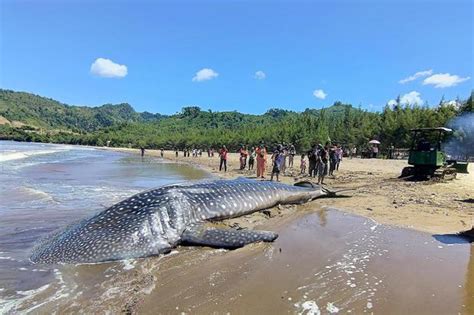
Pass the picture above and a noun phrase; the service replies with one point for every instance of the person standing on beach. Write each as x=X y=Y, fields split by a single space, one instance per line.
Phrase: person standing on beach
x=243 y=157
x=162 y=152
x=322 y=163
x=354 y=152
x=391 y=151
x=291 y=155
x=375 y=151
x=339 y=154
x=252 y=155
x=312 y=158
x=277 y=159
x=318 y=162
x=223 y=156
x=284 y=152
x=332 y=160
x=261 y=152
x=176 y=153
x=302 y=164
x=142 y=151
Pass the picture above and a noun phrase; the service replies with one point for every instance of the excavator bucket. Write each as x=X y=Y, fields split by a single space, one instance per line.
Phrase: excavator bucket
x=461 y=167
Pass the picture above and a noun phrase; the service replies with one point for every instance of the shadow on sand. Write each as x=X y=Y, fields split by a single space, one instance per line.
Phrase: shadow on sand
x=468 y=200
x=456 y=238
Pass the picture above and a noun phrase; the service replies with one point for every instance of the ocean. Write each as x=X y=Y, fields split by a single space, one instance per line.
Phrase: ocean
x=44 y=187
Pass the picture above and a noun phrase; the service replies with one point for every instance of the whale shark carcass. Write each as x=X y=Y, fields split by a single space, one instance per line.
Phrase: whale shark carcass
x=155 y=221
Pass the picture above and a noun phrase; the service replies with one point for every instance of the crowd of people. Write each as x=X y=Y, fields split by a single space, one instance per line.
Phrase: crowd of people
x=323 y=160
x=320 y=161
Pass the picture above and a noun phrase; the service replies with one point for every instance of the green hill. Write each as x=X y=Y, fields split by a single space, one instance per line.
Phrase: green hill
x=46 y=113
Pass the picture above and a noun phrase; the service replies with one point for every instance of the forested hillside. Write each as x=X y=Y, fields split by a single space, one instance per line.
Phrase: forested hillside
x=40 y=112
x=193 y=127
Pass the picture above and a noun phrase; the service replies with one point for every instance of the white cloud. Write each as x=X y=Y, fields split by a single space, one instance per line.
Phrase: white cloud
x=108 y=69
x=412 y=98
x=205 y=74
x=417 y=75
x=454 y=103
x=319 y=94
x=442 y=80
x=260 y=75
x=392 y=102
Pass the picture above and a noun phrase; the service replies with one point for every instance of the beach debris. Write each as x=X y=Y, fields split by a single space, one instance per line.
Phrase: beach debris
x=308 y=308
x=331 y=308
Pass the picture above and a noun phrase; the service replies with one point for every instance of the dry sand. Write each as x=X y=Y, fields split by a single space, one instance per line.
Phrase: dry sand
x=433 y=207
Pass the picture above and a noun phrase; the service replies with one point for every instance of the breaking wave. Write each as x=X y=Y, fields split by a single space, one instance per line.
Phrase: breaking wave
x=15 y=155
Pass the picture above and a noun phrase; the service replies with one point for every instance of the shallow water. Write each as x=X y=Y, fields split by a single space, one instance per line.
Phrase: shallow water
x=45 y=186
x=324 y=261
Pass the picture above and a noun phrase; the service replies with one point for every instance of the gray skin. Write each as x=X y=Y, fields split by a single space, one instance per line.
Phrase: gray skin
x=155 y=221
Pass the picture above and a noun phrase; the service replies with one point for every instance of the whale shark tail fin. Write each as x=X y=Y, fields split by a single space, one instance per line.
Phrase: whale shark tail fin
x=201 y=235
x=334 y=193
x=326 y=191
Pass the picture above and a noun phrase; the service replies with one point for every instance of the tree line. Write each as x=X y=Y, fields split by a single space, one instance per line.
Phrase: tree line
x=196 y=128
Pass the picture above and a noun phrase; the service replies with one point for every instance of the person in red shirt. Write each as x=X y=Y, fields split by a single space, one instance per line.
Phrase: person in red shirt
x=223 y=155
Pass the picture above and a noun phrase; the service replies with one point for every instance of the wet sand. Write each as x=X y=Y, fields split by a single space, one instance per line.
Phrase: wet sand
x=329 y=259
x=324 y=260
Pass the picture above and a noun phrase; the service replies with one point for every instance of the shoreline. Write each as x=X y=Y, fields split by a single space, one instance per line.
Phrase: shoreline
x=325 y=245
x=432 y=207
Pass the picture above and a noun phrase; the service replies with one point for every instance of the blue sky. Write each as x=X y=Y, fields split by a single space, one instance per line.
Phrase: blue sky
x=310 y=53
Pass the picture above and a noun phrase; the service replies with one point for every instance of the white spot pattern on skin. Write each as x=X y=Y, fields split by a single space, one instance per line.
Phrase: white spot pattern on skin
x=152 y=222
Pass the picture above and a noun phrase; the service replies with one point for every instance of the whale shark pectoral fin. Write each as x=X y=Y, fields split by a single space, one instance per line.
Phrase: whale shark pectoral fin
x=224 y=238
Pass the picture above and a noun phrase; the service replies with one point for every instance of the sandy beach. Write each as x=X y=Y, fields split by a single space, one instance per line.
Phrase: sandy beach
x=326 y=260
x=383 y=243
x=428 y=206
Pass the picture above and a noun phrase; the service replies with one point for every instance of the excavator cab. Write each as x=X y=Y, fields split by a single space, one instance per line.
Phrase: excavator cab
x=426 y=157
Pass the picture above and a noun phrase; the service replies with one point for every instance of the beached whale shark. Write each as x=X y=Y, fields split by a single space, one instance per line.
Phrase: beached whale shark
x=155 y=221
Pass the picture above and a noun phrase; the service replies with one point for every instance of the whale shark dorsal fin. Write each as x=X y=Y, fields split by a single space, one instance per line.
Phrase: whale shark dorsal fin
x=201 y=235
x=305 y=183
